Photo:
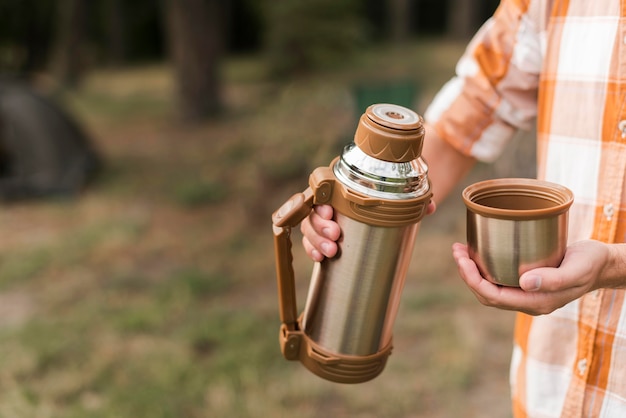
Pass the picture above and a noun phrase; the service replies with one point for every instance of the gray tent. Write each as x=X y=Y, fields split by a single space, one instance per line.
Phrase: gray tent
x=43 y=152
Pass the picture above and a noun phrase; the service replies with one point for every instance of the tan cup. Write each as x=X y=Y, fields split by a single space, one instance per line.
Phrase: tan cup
x=515 y=225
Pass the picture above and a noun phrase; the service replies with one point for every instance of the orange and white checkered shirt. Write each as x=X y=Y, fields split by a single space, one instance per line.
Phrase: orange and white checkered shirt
x=561 y=65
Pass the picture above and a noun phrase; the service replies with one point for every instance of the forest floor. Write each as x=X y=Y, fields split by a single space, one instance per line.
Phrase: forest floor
x=153 y=294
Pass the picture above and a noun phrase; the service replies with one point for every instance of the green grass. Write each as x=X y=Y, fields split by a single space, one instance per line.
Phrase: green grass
x=198 y=192
x=153 y=294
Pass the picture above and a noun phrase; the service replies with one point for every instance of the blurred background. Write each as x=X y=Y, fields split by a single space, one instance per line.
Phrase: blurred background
x=144 y=146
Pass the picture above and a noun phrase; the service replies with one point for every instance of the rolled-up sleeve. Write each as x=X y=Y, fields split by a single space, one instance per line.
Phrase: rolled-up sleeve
x=494 y=92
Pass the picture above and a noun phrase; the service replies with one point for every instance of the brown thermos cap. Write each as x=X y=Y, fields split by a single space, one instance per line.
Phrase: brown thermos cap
x=390 y=132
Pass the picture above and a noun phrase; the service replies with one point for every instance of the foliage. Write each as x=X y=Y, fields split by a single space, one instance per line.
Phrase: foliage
x=25 y=34
x=29 y=29
x=154 y=294
x=306 y=35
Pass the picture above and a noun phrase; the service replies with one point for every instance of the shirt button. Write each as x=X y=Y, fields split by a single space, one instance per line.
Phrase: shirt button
x=608 y=211
x=581 y=366
x=622 y=127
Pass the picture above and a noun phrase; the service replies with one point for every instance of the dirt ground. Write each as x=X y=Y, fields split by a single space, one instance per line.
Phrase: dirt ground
x=153 y=292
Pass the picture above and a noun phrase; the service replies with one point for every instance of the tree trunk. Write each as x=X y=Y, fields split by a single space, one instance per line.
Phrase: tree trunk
x=463 y=18
x=116 y=32
x=67 y=62
x=399 y=22
x=195 y=43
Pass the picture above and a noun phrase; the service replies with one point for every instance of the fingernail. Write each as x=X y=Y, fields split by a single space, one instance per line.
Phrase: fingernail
x=316 y=255
x=325 y=248
x=531 y=282
x=326 y=232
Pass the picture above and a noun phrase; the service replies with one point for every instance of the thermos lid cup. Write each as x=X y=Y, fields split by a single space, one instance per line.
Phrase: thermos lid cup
x=390 y=132
x=384 y=159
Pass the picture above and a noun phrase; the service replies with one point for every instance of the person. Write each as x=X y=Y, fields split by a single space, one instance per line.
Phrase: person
x=560 y=65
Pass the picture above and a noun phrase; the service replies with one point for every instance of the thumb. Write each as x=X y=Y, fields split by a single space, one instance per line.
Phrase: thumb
x=546 y=279
x=531 y=281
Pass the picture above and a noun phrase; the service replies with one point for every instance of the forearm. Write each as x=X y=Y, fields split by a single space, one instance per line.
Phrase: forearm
x=613 y=274
x=446 y=165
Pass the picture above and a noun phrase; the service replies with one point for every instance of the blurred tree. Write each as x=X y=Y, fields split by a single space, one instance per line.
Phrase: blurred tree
x=394 y=20
x=305 y=35
x=115 y=26
x=399 y=20
x=141 y=25
x=25 y=28
x=195 y=44
x=243 y=25
x=67 y=60
x=464 y=18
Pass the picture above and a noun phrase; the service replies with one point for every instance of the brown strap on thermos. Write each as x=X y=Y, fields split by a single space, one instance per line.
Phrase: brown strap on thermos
x=289 y=215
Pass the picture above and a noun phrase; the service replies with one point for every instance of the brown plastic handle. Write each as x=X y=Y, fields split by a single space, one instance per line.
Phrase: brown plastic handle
x=289 y=215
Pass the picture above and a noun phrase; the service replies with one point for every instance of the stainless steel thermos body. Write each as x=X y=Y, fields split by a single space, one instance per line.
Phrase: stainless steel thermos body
x=352 y=298
x=379 y=190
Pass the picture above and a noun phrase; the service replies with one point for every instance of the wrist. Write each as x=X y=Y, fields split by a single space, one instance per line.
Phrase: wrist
x=613 y=274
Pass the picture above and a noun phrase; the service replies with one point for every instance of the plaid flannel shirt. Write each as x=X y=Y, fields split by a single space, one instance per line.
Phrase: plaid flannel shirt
x=560 y=65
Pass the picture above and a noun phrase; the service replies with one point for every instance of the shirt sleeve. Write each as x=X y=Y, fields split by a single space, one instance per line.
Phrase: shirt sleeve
x=494 y=92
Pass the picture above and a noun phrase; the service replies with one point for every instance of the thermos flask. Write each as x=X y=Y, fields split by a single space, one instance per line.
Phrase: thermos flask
x=379 y=190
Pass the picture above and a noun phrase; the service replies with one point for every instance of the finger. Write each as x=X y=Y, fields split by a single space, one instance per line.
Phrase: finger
x=325 y=211
x=574 y=272
x=532 y=281
x=467 y=269
x=431 y=208
x=511 y=298
x=472 y=278
x=323 y=224
x=316 y=241
x=459 y=250
x=311 y=251
x=548 y=279
x=487 y=293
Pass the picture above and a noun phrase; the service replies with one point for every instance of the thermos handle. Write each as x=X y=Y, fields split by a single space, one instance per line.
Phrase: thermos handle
x=289 y=215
